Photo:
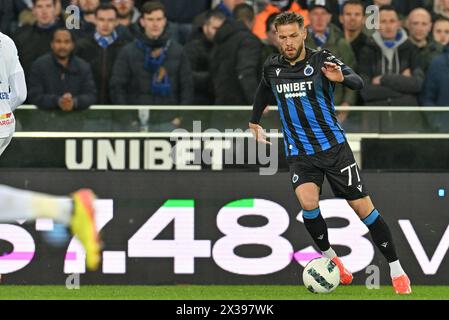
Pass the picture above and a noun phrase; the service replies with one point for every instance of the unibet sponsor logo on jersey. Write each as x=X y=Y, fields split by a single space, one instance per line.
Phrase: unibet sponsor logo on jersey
x=295 y=89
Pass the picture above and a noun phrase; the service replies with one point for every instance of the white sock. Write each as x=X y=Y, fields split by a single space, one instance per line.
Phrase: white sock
x=21 y=204
x=330 y=253
x=396 y=269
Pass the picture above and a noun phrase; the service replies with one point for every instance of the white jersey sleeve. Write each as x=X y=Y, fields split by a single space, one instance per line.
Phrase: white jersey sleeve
x=18 y=89
x=14 y=72
x=13 y=89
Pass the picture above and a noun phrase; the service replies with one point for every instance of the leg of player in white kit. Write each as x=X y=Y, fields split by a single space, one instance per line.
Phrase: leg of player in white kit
x=76 y=212
x=27 y=205
x=20 y=204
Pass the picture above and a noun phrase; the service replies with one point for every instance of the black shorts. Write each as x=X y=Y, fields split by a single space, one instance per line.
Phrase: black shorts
x=339 y=166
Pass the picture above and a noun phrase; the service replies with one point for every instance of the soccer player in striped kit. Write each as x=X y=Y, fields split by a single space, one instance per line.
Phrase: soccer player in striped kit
x=301 y=81
x=77 y=211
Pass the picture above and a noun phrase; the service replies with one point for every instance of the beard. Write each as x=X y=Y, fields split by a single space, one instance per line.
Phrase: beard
x=61 y=55
x=296 y=56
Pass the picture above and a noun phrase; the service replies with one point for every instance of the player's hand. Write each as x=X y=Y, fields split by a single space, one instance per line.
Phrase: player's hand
x=333 y=72
x=266 y=110
x=66 y=102
x=407 y=72
x=176 y=122
x=376 y=80
x=259 y=133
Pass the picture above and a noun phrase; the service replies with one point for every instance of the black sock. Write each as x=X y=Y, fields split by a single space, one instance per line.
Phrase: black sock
x=317 y=228
x=381 y=235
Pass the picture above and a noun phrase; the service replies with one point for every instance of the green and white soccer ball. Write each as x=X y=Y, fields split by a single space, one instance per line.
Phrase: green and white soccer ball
x=321 y=275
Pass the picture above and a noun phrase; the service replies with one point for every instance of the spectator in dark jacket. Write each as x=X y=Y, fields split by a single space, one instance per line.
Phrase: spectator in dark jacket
x=181 y=13
x=322 y=34
x=441 y=9
x=127 y=11
x=228 y=6
x=405 y=7
x=245 y=13
x=9 y=12
x=235 y=64
x=152 y=70
x=393 y=76
x=87 y=21
x=34 y=41
x=7 y=16
x=60 y=80
x=198 y=51
x=419 y=25
x=352 y=19
x=225 y=6
x=436 y=90
x=102 y=48
x=271 y=44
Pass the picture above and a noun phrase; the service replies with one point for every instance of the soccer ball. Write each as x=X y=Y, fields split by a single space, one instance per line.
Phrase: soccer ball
x=321 y=275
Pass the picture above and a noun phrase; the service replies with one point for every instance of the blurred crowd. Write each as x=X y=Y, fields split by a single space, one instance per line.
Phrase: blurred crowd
x=77 y=53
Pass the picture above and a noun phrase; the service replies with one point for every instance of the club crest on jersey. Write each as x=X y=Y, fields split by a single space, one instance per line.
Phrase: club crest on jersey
x=295 y=178
x=308 y=71
x=278 y=71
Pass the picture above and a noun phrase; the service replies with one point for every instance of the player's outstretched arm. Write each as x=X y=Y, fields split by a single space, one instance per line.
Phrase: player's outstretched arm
x=261 y=100
x=344 y=75
x=16 y=76
x=18 y=88
x=259 y=133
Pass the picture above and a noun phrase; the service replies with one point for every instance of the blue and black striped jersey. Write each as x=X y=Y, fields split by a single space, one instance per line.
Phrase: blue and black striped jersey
x=304 y=96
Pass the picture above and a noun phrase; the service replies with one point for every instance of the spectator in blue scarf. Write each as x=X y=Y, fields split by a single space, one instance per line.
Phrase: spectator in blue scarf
x=152 y=70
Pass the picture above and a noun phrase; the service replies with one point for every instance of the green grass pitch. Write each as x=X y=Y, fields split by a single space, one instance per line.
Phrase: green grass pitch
x=192 y=292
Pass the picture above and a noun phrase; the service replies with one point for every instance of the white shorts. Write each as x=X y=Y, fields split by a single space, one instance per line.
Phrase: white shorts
x=4 y=142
